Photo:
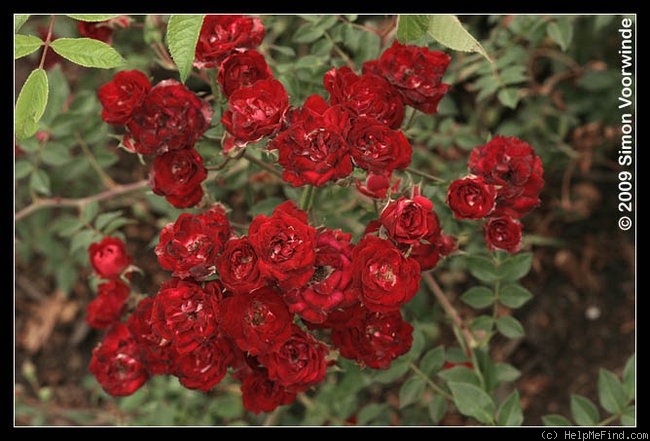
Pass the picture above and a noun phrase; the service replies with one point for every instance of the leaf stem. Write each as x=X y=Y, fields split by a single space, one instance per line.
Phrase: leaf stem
x=430 y=382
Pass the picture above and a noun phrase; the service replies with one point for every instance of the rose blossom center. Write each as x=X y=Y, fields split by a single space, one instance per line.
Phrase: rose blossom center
x=384 y=274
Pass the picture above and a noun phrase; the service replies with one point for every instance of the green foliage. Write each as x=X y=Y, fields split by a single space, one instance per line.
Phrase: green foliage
x=505 y=79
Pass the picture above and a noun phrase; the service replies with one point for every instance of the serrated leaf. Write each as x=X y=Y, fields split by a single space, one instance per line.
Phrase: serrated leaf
x=504 y=372
x=433 y=361
x=629 y=377
x=515 y=267
x=583 y=411
x=629 y=416
x=31 y=104
x=370 y=412
x=25 y=45
x=611 y=394
x=509 y=97
x=39 y=181
x=482 y=268
x=510 y=412
x=92 y=17
x=561 y=32
x=437 y=408
x=510 y=327
x=104 y=218
x=89 y=211
x=449 y=31
x=411 y=391
x=182 y=35
x=556 y=420
x=478 y=297
x=411 y=27
x=87 y=52
x=473 y=402
x=460 y=374
x=514 y=295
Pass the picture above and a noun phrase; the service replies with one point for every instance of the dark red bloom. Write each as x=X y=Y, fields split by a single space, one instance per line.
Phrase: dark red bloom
x=299 y=363
x=377 y=148
x=191 y=246
x=156 y=353
x=171 y=117
x=261 y=394
x=178 y=175
x=471 y=198
x=238 y=266
x=256 y=111
x=365 y=95
x=123 y=95
x=185 y=313
x=409 y=220
x=285 y=245
x=258 y=321
x=109 y=258
x=377 y=185
x=221 y=35
x=116 y=363
x=102 y=30
x=386 y=279
x=512 y=165
x=375 y=340
x=503 y=233
x=242 y=69
x=313 y=149
x=203 y=367
x=329 y=288
x=415 y=72
x=109 y=305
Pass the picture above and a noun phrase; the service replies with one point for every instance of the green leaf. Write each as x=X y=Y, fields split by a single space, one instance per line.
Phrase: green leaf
x=433 y=361
x=31 y=104
x=411 y=27
x=19 y=21
x=583 y=411
x=514 y=295
x=411 y=391
x=370 y=412
x=482 y=268
x=460 y=374
x=182 y=35
x=478 y=297
x=509 y=97
x=437 y=408
x=39 y=181
x=25 y=45
x=87 y=52
x=515 y=267
x=555 y=420
x=450 y=32
x=505 y=372
x=629 y=416
x=473 y=402
x=510 y=412
x=611 y=394
x=92 y=17
x=629 y=377
x=510 y=327
x=560 y=31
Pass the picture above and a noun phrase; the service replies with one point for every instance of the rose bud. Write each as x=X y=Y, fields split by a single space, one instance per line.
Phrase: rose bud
x=471 y=198
x=503 y=233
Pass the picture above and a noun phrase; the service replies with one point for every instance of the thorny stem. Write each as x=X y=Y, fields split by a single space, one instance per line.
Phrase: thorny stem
x=48 y=39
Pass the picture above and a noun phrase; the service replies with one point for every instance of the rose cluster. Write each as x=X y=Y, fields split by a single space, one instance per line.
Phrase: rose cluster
x=504 y=181
x=271 y=306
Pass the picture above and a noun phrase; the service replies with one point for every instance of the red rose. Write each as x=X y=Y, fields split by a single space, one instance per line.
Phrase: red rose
x=377 y=185
x=285 y=245
x=258 y=321
x=415 y=72
x=408 y=221
x=191 y=246
x=365 y=95
x=109 y=305
x=178 y=175
x=513 y=166
x=428 y=252
x=503 y=233
x=261 y=394
x=156 y=353
x=386 y=279
x=375 y=340
x=328 y=289
x=471 y=198
x=109 y=257
x=238 y=266
x=313 y=149
x=299 y=363
x=185 y=313
x=102 y=30
x=256 y=111
x=242 y=69
x=203 y=367
x=377 y=148
x=171 y=117
x=123 y=95
x=115 y=362
x=221 y=35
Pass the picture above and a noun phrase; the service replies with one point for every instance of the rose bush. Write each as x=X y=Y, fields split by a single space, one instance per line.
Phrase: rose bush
x=278 y=298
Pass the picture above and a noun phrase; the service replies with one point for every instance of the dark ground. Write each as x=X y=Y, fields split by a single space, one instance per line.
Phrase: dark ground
x=581 y=319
